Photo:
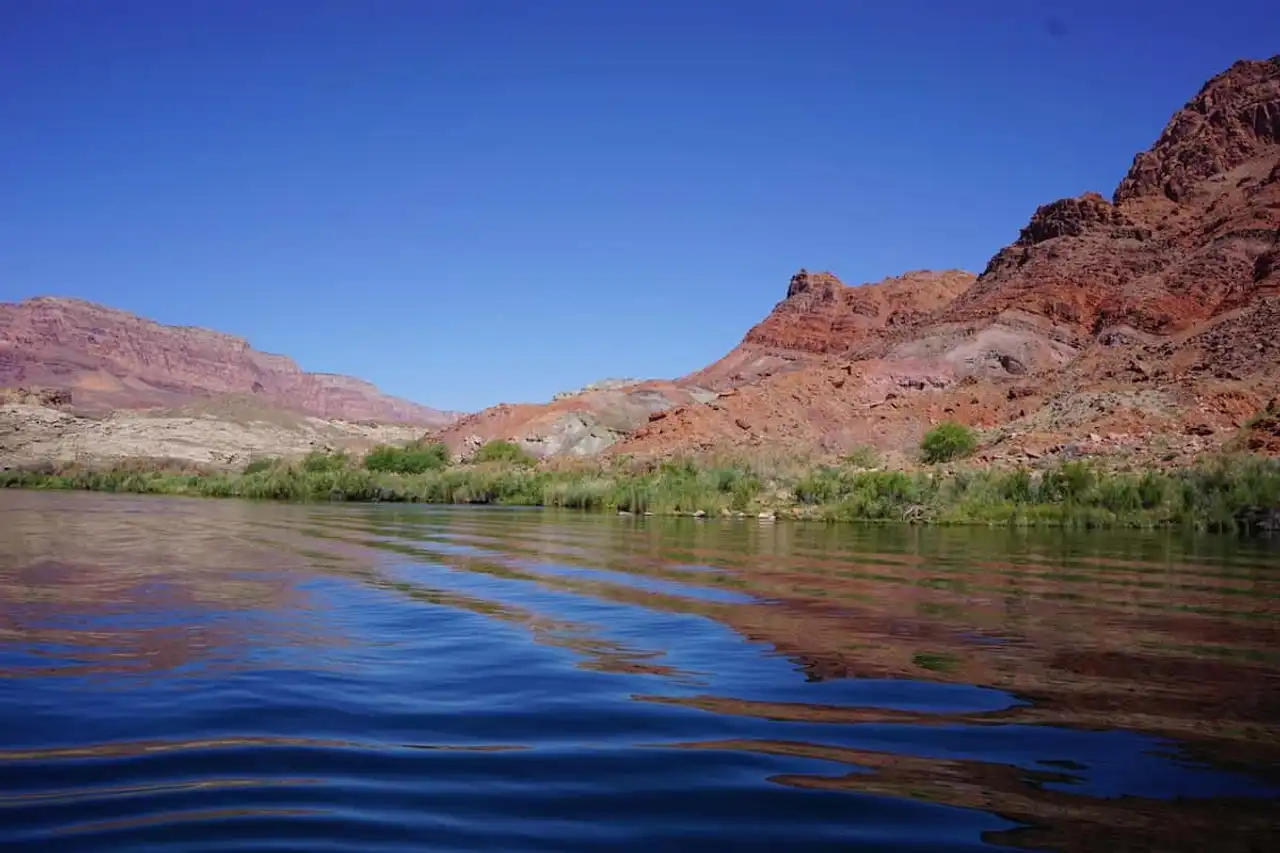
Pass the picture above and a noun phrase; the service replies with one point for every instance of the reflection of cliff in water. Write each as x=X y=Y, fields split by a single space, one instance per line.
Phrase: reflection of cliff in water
x=1159 y=634
x=1148 y=633
x=1154 y=632
x=1054 y=818
x=75 y=587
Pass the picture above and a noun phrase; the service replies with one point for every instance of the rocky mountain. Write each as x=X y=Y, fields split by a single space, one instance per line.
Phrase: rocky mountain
x=821 y=316
x=1144 y=323
x=1119 y=325
x=111 y=359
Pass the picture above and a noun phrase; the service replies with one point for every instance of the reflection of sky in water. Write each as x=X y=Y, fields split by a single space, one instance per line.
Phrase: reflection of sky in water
x=389 y=653
x=1114 y=763
x=699 y=647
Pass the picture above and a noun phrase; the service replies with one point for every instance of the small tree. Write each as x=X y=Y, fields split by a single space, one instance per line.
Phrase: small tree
x=947 y=441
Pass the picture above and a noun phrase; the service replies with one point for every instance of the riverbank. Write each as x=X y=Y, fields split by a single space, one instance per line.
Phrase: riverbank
x=1220 y=493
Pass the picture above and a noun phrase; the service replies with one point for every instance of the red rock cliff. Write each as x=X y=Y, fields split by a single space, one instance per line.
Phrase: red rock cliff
x=1171 y=289
x=1187 y=235
x=115 y=359
x=1150 y=313
x=821 y=316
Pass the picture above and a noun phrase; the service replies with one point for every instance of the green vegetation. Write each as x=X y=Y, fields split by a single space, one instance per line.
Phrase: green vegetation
x=947 y=441
x=1222 y=493
x=414 y=459
x=862 y=457
x=935 y=661
x=319 y=462
x=257 y=466
x=502 y=451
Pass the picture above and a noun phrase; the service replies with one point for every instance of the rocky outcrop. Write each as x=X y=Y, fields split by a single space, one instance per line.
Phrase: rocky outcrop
x=1235 y=118
x=822 y=317
x=47 y=397
x=1152 y=313
x=1103 y=325
x=582 y=424
x=598 y=385
x=1176 y=274
x=1191 y=231
x=113 y=359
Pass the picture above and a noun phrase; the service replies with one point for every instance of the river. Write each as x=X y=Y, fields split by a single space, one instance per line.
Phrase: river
x=195 y=675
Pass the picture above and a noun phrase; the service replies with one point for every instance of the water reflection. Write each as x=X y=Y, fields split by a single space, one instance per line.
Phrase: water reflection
x=147 y=589
x=194 y=674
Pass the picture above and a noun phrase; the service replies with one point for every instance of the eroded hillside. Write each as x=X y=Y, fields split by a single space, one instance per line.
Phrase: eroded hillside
x=1144 y=325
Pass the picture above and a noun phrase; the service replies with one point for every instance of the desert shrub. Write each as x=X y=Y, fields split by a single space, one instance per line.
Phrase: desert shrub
x=822 y=485
x=414 y=459
x=862 y=457
x=257 y=466
x=318 y=462
x=1016 y=486
x=947 y=441
x=1152 y=489
x=1070 y=482
x=502 y=451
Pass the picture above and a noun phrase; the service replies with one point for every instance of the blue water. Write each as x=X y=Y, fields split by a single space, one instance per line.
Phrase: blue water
x=202 y=675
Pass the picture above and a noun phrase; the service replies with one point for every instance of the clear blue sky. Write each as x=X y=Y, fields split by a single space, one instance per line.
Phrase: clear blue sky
x=476 y=201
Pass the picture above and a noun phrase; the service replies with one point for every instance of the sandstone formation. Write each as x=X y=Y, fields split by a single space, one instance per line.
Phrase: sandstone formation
x=599 y=385
x=51 y=398
x=224 y=433
x=111 y=359
x=820 y=316
x=1144 y=326
x=580 y=424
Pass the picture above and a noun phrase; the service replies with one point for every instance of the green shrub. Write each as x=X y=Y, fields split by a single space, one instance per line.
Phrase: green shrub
x=1070 y=482
x=502 y=451
x=862 y=457
x=317 y=461
x=823 y=485
x=584 y=493
x=947 y=441
x=1016 y=486
x=257 y=466
x=414 y=459
x=1152 y=489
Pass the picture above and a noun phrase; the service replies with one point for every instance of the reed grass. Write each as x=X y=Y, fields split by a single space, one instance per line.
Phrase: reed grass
x=1227 y=492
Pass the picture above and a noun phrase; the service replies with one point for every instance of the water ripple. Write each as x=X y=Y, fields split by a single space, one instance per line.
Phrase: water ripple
x=194 y=675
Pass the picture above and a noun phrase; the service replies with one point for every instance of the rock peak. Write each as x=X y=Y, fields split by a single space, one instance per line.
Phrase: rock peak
x=1072 y=217
x=805 y=281
x=1234 y=117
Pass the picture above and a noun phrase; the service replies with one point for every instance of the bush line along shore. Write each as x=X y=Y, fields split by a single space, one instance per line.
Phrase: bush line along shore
x=1228 y=492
